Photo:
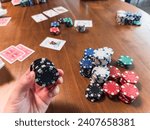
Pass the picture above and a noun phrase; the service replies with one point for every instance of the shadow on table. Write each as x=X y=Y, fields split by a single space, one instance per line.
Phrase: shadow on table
x=5 y=76
x=137 y=102
x=61 y=107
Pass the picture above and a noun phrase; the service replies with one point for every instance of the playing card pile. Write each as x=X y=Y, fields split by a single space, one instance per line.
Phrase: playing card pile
x=49 y=13
x=14 y=53
x=53 y=43
x=4 y=21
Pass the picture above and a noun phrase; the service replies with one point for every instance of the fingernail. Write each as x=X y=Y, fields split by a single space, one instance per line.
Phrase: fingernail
x=56 y=91
x=60 y=80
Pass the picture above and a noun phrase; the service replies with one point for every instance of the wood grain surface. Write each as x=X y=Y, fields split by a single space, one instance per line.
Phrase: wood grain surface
x=128 y=40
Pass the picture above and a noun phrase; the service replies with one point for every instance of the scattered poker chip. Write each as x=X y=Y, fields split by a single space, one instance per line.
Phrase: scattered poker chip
x=81 y=29
x=45 y=72
x=55 y=30
x=129 y=91
x=68 y=22
x=130 y=77
x=111 y=88
x=94 y=93
x=114 y=73
x=61 y=20
x=125 y=60
x=55 y=24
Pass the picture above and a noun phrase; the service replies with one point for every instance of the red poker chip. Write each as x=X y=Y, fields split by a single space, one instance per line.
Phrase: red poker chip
x=111 y=88
x=130 y=91
x=130 y=77
x=122 y=81
x=124 y=99
x=114 y=72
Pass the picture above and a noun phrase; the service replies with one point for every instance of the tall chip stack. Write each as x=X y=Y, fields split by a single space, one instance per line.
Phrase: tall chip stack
x=128 y=18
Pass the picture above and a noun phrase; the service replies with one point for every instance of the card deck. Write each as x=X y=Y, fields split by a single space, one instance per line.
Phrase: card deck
x=39 y=17
x=52 y=43
x=27 y=52
x=50 y=13
x=11 y=54
x=15 y=2
x=4 y=21
x=87 y=23
x=60 y=9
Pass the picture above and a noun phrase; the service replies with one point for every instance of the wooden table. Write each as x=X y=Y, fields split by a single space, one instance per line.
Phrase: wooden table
x=128 y=40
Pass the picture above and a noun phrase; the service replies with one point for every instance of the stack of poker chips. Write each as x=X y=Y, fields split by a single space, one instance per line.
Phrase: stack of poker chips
x=55 y=25
x=55 y=28
x=128 y=93
x=31 y=2
x=45 y=72
x=106 y=79
x=94 y=66
x=81 y=28
x=125 y=61
x=121 y=86
x=128 y=18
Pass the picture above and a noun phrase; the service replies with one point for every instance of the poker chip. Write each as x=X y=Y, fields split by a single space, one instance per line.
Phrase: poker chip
x=61 y=20
x=94 y=93
x=114 y=73
x=45 y=72
x=130 y=77
x=125 y=60
x=86 y=63
x=55 y=30
x=89 y=52
x=81 y=28
x=55 y=24
x=129 y=92
x=111 y=88
x=108 y=51
x=68 y=22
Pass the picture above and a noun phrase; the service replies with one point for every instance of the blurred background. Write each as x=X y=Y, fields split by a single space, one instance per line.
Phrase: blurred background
x=142 y=4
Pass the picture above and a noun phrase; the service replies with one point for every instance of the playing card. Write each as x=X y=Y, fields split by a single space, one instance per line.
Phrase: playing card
x=1 y=63
x=87 y=23
x=50 y=13
x=11 y=54
x=15 y=2
x=60 y=9
x=39 y=17
x=27 y=52
x=52 y=43
x=4 y=21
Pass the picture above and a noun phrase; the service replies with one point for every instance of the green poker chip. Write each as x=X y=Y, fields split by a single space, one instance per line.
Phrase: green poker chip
x=125 y=61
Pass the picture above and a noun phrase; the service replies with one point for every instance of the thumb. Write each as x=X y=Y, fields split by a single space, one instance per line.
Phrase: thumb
x=26 y=82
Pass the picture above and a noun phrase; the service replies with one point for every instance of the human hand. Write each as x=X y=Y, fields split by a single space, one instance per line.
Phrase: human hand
x=28 y=97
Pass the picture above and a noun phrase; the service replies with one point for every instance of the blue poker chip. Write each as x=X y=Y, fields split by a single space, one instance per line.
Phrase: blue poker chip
x=89 y=52
x=86 y=63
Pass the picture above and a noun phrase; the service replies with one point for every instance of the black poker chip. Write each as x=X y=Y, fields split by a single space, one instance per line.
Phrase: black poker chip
x=94 y=93
x=39 y=62
x=45 y=72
